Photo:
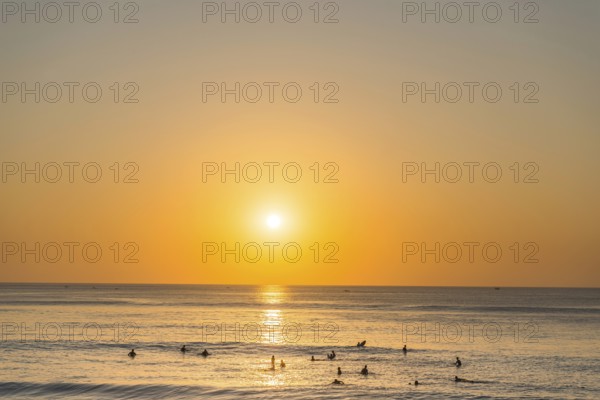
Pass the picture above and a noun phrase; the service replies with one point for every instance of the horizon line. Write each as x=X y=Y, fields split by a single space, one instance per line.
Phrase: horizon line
x=293 y=285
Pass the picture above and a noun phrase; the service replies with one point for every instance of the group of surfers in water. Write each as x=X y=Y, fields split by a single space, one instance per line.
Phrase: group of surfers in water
x=183 y=349
x=330 y=356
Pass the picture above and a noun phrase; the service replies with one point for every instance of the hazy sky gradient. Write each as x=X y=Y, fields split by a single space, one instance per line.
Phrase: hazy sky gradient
x=170 y=133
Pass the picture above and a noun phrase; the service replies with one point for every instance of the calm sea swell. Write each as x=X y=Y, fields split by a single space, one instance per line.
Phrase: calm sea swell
x=546 y=347
x=22 y=390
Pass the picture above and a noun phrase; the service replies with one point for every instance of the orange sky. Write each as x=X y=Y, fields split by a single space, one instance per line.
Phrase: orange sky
x=366 y=216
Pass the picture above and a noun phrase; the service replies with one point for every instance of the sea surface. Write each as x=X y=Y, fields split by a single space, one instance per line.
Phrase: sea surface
x=72 y=341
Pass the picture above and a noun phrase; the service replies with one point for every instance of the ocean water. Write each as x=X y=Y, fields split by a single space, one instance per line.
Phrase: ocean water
x=60 y=342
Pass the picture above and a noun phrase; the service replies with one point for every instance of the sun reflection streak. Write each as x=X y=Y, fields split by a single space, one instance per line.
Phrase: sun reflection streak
x=272 y=297
x=272 y=318
x=272 y=294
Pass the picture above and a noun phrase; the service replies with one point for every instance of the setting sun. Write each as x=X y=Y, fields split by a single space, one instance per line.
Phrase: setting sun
x=273 y=221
